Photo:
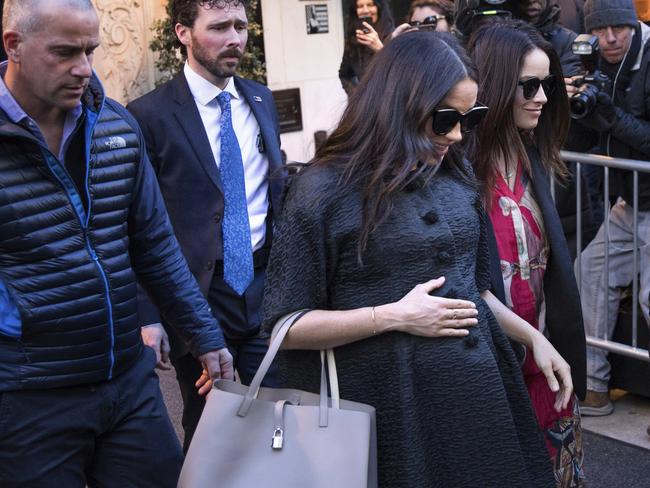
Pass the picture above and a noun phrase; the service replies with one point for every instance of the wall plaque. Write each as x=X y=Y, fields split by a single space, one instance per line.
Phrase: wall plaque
x=287 y=103
x=317 y=19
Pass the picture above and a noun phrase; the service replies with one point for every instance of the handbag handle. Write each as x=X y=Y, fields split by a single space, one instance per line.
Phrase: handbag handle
x=285 y=323
x=279 y=333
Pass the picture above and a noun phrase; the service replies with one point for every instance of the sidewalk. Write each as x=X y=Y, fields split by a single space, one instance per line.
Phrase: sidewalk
x=627 y=424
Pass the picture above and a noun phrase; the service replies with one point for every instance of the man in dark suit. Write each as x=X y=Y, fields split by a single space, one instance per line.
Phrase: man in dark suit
x=213 y=139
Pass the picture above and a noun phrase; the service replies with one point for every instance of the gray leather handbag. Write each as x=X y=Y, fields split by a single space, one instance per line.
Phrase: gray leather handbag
x=272 y=437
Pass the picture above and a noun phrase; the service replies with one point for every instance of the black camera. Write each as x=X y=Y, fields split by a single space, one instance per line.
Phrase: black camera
x=592 y=82
x=471 y=13
x=362 y=27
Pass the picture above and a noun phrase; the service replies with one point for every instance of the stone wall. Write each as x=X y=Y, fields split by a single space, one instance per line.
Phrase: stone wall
x=124 y=62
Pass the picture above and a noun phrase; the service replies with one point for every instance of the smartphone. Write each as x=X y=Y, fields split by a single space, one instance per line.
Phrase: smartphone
x=362 y=27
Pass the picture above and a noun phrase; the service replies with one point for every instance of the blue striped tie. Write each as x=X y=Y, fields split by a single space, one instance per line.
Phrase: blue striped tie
x=237 y=252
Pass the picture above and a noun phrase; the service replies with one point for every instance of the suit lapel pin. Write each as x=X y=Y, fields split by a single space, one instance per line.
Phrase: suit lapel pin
x=257 y=99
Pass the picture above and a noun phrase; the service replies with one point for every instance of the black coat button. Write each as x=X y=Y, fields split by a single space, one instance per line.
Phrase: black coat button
x=430 y=217
x=470 y=341
x=444 y=256
x=217 y=218
x=209 y=265
x=452 y=292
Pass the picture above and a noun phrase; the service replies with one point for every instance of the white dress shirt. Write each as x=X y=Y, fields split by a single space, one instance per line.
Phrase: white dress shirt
x=256 y=164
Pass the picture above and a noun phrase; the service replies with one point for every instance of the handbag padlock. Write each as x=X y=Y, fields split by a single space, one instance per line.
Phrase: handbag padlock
x=278 y=438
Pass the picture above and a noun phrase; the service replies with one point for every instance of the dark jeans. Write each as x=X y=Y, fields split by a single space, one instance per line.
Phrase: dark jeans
x=247 y=357
x=111 y=434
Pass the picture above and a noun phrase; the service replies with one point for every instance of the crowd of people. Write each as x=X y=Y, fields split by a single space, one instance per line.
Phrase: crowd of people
x=422 y=240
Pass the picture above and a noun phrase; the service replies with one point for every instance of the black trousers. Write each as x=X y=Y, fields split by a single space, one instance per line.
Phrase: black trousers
x=240 y=318
x=111 y=434
x=247 y=358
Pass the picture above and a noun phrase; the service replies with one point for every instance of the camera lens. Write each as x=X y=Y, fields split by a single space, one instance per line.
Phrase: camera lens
x=583 y=102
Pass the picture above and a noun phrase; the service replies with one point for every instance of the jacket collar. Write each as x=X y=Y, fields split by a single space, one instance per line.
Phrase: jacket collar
x=203 y=91
x=548 y=19
x=92 y=100
x=189 y=121
x=645 y=37
x=93 y=97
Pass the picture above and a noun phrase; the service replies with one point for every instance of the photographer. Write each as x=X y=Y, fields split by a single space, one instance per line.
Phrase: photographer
x=369 y=23
x=619 y=111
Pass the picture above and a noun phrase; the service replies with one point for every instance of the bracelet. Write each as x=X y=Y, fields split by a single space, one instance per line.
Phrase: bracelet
x=374 y=321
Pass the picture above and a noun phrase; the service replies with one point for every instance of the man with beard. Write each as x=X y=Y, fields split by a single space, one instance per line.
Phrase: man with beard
x=213 y=139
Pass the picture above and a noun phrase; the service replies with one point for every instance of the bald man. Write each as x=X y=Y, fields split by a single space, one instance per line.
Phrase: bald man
x=81 y=217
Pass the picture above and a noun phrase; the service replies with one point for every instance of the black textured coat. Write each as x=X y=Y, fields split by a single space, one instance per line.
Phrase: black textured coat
x=71 y=268
x=451 y=412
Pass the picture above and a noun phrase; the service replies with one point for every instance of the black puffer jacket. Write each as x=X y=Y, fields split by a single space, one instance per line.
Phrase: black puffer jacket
x=629 y=137
x=69 y=259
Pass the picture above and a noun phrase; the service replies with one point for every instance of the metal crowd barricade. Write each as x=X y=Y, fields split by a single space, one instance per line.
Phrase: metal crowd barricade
x=600 y=340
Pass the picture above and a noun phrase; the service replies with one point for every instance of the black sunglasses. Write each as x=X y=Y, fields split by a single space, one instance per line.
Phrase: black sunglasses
x=531 y=86
x=429 y=22
x=445 y=119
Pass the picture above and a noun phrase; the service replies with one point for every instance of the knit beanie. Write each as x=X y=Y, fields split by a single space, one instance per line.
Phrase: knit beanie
x=603 y=13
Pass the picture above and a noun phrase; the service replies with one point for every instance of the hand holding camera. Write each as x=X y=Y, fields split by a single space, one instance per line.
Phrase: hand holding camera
x=367 y=35
x=586 y=91
x=364 y=23
x=570 y=85
x=603 y=114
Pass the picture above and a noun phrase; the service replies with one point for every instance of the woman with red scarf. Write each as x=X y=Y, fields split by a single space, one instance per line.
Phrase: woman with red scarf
x=515 y=153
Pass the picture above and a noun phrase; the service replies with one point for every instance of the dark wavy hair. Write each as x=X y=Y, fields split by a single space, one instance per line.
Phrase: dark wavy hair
x=498 y=49
x=381 y=139
x=185 y=12
x=445 y=7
